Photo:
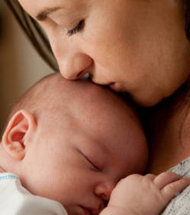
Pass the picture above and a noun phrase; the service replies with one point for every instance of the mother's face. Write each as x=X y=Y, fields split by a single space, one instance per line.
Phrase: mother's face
x=136 y=46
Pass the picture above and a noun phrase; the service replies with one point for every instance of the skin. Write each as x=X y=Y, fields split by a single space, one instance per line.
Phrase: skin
x=134 y=46
x=168 y=133
x=62 y=152
x=148 y=194
x=83 y=153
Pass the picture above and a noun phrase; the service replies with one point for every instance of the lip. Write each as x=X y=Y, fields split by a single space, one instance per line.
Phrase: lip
x=115 y=86
x=86 y=211
x=89 y=211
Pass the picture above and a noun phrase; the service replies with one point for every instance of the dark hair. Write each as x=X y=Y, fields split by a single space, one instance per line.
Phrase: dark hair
x=39 y=39
x=34 y=32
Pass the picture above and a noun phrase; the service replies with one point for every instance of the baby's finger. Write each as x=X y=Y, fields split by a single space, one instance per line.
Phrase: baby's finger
x=170 y=190
x=150 y=176
x=165 y=178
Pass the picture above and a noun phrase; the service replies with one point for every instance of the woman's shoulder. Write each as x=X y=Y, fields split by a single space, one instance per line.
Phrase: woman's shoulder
x=182 y=168
x=180 y=204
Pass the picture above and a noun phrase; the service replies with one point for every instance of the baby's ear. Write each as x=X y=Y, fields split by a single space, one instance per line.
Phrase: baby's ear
x=17 y=133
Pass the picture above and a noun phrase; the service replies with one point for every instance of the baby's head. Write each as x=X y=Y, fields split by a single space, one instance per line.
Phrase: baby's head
x=72 y=142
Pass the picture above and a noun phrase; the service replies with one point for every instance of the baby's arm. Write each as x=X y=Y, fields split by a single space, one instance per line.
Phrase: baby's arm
x=140 y=195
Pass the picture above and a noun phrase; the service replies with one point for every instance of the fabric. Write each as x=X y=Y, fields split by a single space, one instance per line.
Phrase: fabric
x=180 y=205
x=16 y=200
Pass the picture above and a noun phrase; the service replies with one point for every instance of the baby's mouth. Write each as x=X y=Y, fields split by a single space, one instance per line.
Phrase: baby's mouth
x=86 y=211
x=90 y=211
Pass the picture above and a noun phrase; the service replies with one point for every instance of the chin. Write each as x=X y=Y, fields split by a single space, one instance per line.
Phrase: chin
x=147 y=100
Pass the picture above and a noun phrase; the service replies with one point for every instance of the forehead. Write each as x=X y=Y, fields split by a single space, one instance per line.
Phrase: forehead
x=97 y=118
x=93 y=108
x=40 y=6
x=104 y=114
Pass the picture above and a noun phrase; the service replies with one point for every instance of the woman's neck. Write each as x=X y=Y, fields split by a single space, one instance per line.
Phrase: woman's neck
x=168 y=134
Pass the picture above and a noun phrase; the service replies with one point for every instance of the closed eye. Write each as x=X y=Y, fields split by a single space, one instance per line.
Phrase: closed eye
x=76 y=29
x=91 y=162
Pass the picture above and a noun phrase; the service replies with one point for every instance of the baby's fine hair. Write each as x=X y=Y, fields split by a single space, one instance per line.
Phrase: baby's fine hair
x=30 y=100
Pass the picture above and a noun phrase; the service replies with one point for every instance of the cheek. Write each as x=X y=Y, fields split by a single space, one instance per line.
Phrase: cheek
x=76 y=185
x=57 y=38
x=112 y=42
x=65 y=186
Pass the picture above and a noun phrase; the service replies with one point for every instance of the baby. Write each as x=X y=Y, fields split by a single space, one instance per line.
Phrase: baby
x=65 y=149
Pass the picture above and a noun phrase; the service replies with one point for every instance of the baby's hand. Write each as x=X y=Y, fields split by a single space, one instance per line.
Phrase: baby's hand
x=149 y=194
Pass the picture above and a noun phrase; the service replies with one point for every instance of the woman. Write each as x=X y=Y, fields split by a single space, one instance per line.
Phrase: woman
x=136 y=46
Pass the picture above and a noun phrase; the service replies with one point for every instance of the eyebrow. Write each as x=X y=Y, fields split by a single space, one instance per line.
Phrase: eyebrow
x=41 y=16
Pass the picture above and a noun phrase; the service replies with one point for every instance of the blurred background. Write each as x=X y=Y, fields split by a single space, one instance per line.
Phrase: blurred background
x=20 y=64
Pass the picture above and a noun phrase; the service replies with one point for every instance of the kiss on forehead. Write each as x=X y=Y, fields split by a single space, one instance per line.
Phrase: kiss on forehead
x=78 y=144
x=116 y=42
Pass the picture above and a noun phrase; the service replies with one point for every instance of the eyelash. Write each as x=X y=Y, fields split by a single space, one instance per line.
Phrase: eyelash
x=93 y=165
x=76 y=29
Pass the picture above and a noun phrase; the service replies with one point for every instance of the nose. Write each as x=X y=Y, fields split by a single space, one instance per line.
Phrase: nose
x=103 y=190
x=74 y=67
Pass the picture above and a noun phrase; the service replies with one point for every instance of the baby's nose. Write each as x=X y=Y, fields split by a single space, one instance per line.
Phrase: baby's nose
x=103 y=190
